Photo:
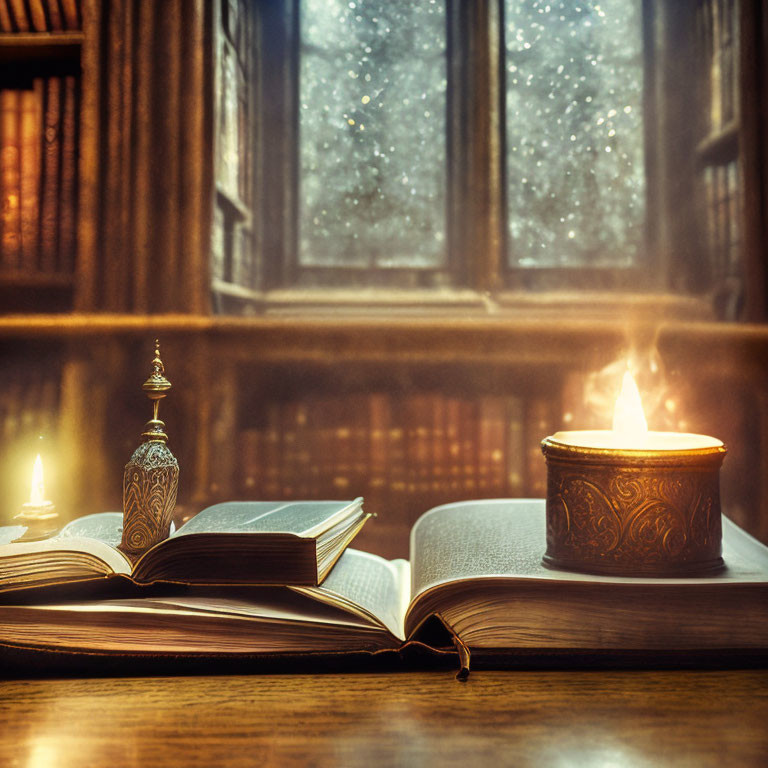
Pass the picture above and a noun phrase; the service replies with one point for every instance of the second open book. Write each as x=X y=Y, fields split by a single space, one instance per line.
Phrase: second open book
x=474 y=566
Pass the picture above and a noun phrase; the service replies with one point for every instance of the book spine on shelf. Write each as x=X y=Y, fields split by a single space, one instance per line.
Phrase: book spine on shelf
x=250 y=462
x=68 y=202
x=49 y=206
x=516 y=456
x=453 y=444
x=342 y=447
x=19 y=15
x=539 y=424
x=491 y=446
x=288 y=474
x=30 y=130
x=271 y=473
x=6 y=25
x=468 y=442
x=71 y=13
x=439 y=452
x=379 y=429
x=37 y=16
x=397 y=482
x=54 y=15
x=10 y=175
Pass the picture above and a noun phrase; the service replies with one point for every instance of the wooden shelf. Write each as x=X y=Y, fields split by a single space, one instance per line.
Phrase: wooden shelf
x=22 y=279
x=40 y=46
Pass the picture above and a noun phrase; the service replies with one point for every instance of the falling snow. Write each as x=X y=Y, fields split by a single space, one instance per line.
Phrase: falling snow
x=372 y=133
x=575 y=166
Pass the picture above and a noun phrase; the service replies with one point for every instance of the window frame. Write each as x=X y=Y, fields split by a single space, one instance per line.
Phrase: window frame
x=477 y=240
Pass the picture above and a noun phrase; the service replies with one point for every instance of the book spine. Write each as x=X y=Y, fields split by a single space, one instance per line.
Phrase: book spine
x=539 y=424
x=6 y=25
x=54 y=15
x=453 y=444
x=19 y=15
x=71 y=13
x=30 y=130
x=68 y=216
x=10 y=174
x=49 y=206
x=491 y=446
x=288 y=475
x=379 y=429
x=37 y=16
x=396 y=464
x=271 y=474
x=516 y=457
x=439 y=453
x=342 y=448
x=468 y=441
x=250 y=462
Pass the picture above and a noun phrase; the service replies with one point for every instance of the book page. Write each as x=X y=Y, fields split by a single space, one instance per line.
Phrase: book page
x=58 y=559
x=302 y=518
x=104 y=526
x=507 y=538
x=366 y=584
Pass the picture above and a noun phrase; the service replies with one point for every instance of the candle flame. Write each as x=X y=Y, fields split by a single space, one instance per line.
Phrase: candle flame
x=37 y=492
x=628 y=415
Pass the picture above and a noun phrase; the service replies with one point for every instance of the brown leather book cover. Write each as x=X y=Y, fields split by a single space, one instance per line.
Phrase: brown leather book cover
x=30 y=130
x=37 y=16
x=71 y=15
x=10 y=177
x=6 y=25
x=49 y=212
x=19 y=15
x=68 y=201
x=54 y=15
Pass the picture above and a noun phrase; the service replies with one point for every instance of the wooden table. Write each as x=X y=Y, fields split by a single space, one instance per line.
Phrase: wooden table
x=541 y=718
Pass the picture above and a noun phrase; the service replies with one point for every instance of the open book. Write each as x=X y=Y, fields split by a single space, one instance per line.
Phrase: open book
x=474 y=566
x=247 y=542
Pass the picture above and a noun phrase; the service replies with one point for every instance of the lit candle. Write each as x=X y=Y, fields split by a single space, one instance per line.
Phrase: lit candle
x=630 y=429
x=629 y=501
x=38 y=514
x=37 y=490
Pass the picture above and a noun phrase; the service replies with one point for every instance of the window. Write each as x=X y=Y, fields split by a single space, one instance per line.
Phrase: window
x=372 y=138
x=518 y=144
x=575 y=161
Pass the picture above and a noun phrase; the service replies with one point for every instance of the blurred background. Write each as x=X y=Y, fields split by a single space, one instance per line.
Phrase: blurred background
x=387 y=247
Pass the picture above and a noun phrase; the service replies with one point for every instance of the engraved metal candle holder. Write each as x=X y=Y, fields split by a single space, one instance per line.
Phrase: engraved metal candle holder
x=151 y=476
x=633 y=512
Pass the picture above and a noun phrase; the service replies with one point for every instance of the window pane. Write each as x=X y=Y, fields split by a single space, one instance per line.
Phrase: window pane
x=372 y=133
x=576 y=183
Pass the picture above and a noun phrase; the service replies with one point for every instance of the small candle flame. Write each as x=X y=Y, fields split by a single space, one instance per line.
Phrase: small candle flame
x=37 y=492
x=628 y=416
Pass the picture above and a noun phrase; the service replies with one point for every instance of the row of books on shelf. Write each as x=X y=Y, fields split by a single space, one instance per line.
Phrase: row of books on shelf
x=38 y=175
x=40 y=15
x=384 y=444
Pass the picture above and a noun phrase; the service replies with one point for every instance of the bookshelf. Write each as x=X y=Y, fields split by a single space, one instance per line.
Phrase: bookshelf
x=410 y=399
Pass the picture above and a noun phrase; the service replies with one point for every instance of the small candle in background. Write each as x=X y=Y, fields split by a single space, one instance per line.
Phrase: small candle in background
x=38 y=514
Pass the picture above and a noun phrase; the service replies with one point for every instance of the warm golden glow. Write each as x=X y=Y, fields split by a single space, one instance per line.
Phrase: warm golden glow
x=37 y=492
x=628 y=416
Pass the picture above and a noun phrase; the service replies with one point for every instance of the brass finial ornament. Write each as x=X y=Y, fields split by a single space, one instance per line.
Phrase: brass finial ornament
x=151 y=476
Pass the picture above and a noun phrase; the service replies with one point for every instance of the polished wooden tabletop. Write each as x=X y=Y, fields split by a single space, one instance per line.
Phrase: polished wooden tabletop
x=519 y=718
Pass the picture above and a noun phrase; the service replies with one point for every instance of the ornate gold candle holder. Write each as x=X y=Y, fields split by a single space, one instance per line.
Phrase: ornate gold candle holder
x=625 y=512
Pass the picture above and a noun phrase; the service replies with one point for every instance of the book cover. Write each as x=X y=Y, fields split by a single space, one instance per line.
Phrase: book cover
x=68 y=200
x=49 y=204
x=19 y=15
x=30 y=131
x=10 y=175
